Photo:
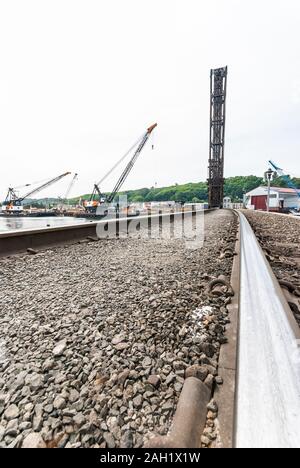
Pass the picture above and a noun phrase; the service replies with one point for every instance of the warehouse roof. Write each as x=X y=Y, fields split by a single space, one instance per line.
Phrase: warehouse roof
x=262 y=190
x=284 y=190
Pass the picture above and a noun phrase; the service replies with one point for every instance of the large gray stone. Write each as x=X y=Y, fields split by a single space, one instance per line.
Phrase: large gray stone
x=60 y=347
x=33 y=440
x=11 y=412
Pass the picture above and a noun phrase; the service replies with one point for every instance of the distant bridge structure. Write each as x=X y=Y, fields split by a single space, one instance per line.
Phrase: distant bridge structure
x=218 y=85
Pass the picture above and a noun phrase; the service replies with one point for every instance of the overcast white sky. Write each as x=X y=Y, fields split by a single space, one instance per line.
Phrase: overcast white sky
x=80 y=80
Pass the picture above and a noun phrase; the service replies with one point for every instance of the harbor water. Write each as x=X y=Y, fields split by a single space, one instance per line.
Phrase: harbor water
x=14 y=223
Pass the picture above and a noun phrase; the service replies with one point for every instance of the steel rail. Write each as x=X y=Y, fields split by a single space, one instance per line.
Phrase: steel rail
x=268 y=383
x=13 y=242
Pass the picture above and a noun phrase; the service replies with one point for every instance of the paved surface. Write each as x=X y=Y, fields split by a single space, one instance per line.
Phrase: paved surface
x=268 y=405
x=96 y=338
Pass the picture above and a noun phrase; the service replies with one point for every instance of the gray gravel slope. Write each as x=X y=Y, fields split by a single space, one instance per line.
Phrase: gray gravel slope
x=95 y=338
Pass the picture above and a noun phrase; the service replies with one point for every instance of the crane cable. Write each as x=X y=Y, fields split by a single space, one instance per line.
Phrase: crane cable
x=152 y=140
x=70 y=186
x=120 y=160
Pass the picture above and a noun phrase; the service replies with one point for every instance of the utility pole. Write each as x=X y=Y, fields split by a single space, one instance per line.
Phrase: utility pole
x=269 y=176
x=218 y=86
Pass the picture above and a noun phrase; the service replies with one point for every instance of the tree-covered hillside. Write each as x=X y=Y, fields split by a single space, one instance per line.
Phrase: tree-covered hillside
x=234 y=188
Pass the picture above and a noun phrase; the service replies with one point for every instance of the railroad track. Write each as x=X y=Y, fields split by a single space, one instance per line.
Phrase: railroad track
x=261 y=363
x=13 y=242
x=268 y=389
x=259 y=401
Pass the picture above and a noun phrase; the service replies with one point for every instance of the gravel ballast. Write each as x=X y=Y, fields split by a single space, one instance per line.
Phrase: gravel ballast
x=97 y=338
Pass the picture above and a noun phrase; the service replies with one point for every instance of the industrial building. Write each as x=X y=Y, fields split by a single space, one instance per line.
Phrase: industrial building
x=281 y=199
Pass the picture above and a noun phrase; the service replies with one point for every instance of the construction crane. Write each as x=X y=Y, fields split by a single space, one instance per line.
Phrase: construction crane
x=280 y=173
x=63 y=201
x=71 y=185
x=13 y=202
x=287 y=179
x=92 y=204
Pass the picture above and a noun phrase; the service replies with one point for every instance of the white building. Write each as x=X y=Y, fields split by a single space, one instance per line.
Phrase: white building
x=227 y=202
x=281 y=199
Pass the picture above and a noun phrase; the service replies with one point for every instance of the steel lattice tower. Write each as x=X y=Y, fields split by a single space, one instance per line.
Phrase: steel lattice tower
x=218 y=83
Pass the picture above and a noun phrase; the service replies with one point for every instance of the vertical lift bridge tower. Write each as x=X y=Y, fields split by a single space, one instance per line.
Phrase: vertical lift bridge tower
x=218 y=83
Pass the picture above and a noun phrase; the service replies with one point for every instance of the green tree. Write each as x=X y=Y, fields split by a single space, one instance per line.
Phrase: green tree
x=137 y=199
